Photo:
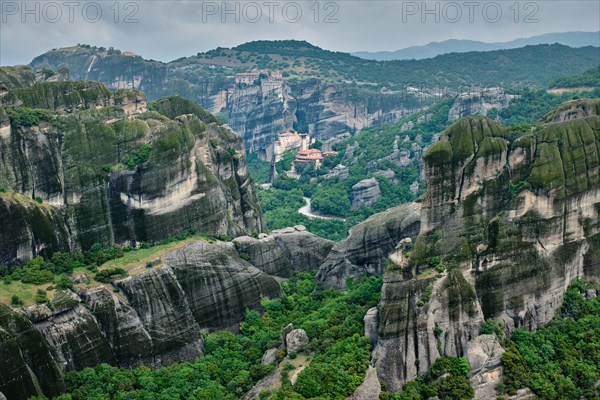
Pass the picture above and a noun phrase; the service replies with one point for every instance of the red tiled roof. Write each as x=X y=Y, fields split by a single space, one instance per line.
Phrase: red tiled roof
x=309 y=152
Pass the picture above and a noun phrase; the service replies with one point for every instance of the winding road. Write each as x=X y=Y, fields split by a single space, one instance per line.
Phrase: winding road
x=305 y=210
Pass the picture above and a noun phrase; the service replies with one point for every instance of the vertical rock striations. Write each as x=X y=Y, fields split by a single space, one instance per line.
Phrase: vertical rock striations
x=27 y=365
x=106 y=170
x=514 y=219
x=366 y=249
x=155 y=318
x=285 y=251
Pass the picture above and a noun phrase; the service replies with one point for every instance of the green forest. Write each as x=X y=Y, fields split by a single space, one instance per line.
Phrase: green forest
x=337 y=354
x=558 y=361
x=588 y=78
x=456 y=69
x=562 y=359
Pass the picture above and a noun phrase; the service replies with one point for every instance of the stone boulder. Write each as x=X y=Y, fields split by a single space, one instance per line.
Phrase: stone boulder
x=296 y=339
x=270 y=357
x=370 y=388
x=590 y=294
x=484 y=354
x=365 y=193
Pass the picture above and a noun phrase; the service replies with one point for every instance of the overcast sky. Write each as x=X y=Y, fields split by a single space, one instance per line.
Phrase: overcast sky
x=166 y=30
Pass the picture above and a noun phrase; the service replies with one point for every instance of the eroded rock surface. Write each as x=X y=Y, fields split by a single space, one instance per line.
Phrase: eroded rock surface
x=99 y=168
x=295 y=340
x=156 y=318
x=514 y=220
x=365 y=193
x=285 y=251
x=370 y=388
x=478 y=103
x=368 y=245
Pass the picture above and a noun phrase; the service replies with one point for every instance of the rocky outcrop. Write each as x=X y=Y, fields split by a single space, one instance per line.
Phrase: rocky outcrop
x=117 y=173
x=218 y=285
x=121 y=325
x=572 y=110
x=260 y=114
x=156 y=318
x=366 y=249
x=295 y=340
x=115 y=70
x=365 y=193
x=478 y=103
x=370 y=388
x=27 y=364
x=420 y=320
x=514 y=220
x=484 y=354
x=269 y=357
x=371 y=321
x=285 y=251
x=76 y=338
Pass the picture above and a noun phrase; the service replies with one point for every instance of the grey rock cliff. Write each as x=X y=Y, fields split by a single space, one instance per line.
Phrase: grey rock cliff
x=194 y=176
x=368 y=245
x=370 y=388
x=285 y=251
x=365 y=193
x=156 y=319
x=514 y=222
x=478 y=103
x=218 y=285
x=27 y=364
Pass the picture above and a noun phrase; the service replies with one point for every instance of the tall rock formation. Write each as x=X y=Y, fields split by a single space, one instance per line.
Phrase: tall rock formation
x=368 y=245
x=156 y=318
x=102 y=169
x=514 y=219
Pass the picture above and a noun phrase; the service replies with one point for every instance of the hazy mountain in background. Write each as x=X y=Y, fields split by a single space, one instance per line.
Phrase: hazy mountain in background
x=572 y=39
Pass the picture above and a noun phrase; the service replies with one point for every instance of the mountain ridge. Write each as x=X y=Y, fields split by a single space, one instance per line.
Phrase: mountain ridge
x=432 y=49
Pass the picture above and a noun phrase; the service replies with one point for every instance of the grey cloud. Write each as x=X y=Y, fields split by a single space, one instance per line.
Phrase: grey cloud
x=170 y=29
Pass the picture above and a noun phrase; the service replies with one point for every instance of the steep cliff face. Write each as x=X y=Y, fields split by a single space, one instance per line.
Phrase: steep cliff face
x=155 y=318
x=110 y=67
x=258 y=112
x=108 y=171
x=285 y=251
x=27 y=365
x=514 y=219
x=327 y=110
x=478 y=103
x=366 y=249
x=30 y=228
